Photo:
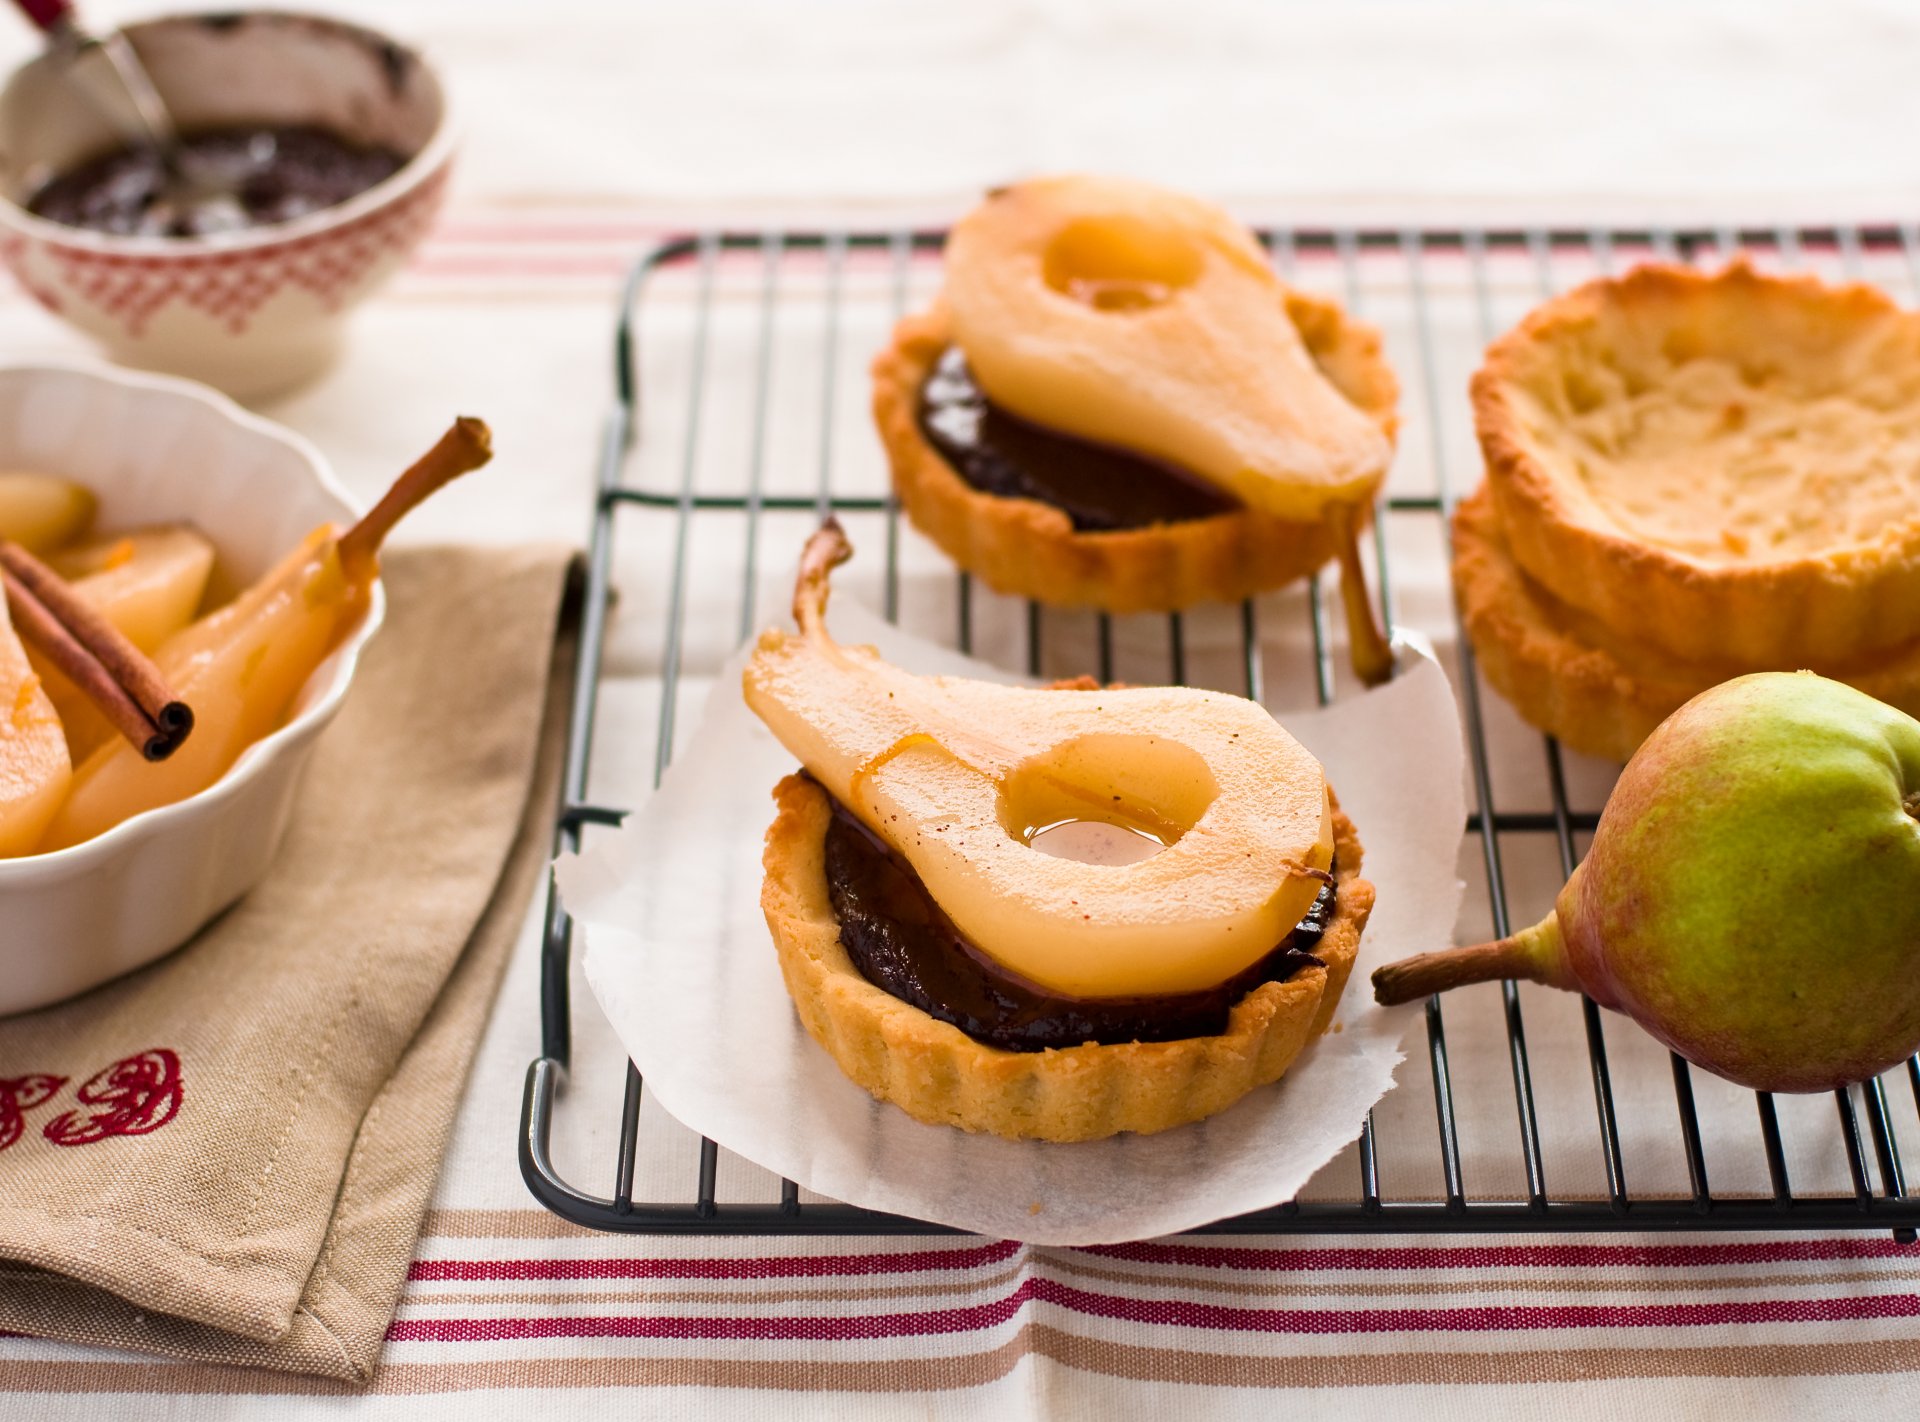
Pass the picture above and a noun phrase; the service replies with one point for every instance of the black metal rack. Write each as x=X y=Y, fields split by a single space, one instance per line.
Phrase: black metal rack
x=1869 y=1153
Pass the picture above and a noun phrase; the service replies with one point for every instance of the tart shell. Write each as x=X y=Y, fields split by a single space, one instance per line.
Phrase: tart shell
x=1569 y=675
x=1026 y=548
x=1610 y=343
x=937 y=1074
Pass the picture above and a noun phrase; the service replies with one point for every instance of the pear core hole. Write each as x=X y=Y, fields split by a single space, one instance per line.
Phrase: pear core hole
x=1121 y=262
x=1107 y=799
x=1912 y=804
x=1096 y=842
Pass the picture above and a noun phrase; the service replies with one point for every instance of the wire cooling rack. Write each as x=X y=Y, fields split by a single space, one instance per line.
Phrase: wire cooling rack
x=709 y=469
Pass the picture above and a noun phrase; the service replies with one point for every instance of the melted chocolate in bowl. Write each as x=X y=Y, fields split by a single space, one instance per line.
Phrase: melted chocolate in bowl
x=903 y=943
x=256 y=175
x=1098 y=487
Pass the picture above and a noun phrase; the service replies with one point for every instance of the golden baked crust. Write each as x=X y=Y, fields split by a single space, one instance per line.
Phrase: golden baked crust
x=1728 y=464
x=936 y=1073
x=1569 y=674
x=1030 y=549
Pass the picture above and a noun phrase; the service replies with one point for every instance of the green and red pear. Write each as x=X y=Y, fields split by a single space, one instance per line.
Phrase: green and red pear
x=1752 y=896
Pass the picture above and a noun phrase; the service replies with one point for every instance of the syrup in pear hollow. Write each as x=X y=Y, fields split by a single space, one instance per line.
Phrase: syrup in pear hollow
x=1752 y=897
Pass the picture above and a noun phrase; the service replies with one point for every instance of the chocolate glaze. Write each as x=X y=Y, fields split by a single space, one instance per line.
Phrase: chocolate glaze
x=277 y=173
x=1098 y=487
x=903 y=943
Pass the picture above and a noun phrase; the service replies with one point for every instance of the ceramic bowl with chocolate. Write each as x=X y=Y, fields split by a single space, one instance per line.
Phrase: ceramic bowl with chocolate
x=318 y=154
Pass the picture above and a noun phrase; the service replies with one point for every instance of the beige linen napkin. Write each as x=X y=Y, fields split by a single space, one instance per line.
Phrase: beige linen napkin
x=235 y=1165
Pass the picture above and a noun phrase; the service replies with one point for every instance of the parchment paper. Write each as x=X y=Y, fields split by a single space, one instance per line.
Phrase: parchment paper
x=680 y=959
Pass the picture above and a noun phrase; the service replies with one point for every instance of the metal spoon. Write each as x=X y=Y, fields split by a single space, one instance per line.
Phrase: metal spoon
x=107 y=70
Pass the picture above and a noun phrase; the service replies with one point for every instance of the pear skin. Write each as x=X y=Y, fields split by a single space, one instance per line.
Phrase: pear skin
x=1752 y=897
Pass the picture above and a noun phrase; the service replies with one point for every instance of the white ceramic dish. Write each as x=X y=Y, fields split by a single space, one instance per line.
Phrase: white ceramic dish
x=252 y=312
x=159 y=450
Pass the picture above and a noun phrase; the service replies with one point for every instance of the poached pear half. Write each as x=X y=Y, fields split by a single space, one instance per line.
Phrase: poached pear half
x=959 y=777
x=1752 y=896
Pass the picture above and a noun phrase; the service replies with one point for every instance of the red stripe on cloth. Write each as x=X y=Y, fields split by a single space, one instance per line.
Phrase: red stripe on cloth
x=549 y=232
x=1511 y=1256
x=1166 y=1312
x=1475 y=1320
x=800 y=1266
x=886 y=1325
x=437 y=262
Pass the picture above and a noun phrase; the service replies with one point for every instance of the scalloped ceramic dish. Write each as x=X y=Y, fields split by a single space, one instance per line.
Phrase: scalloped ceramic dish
x=158 y=449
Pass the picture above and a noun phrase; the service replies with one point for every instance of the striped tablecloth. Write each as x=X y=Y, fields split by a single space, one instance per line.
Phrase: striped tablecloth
x=510 y=1313
x=579 y=153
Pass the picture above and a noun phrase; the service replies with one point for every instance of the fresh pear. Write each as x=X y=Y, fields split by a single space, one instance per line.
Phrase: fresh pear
x=1752 y=897
x=958 y=776
x=148 y=584
x=42 y=511
x=1123 y=313
x=242 y=666
x=34 y=768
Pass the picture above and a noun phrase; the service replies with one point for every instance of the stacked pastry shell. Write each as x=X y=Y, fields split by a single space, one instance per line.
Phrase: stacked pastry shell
x=1774 y=522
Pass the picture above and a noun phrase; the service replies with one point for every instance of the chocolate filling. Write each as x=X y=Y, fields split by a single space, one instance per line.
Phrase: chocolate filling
x=1098 y=487
x=903 y=943
x=261 y=173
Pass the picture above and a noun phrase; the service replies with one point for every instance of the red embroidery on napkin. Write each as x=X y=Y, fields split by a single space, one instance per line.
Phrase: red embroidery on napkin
x=19 y=1095
x=137 y=1095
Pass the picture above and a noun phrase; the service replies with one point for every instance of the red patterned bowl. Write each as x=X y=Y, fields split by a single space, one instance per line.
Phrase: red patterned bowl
x=252 y=312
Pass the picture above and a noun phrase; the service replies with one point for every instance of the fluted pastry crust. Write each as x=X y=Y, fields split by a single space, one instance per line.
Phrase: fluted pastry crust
x=936 y=1073
x=1600 y=692
x=1026 y=548
x=1726 y=465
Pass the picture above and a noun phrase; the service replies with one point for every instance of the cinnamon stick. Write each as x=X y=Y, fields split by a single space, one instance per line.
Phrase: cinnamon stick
x=94 y=655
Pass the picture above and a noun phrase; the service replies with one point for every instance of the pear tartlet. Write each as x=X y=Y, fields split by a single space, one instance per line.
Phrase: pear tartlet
x=1725 y=465
x=1109 y=320
x=1599 y=690
x=938 y=1074
x=956 y=963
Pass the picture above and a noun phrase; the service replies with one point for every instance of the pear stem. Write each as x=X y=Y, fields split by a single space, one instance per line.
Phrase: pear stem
x=463 y=448
x=1366 y=644
x=1533 y=954
x=826 y=550
x=1912 y=804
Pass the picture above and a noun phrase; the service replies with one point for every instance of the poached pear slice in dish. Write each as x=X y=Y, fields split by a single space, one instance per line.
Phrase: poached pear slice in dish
x=957 y=776
x=1133 y=316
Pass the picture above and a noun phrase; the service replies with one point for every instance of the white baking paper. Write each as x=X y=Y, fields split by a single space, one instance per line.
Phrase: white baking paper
x=680 y=959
